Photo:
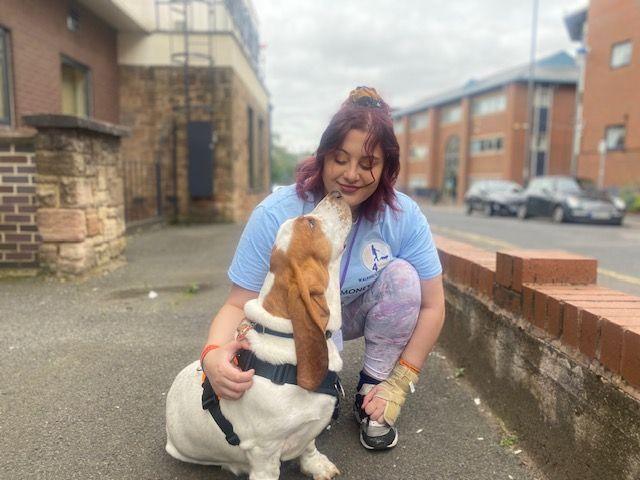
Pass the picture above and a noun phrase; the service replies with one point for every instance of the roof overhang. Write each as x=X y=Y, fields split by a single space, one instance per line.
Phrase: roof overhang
x=117 y=15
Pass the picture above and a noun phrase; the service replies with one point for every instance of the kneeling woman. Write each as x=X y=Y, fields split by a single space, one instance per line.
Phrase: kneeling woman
x=390 y=281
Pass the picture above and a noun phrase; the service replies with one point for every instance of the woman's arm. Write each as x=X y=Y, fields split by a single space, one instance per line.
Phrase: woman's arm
x=227 y=380
x=430 y=321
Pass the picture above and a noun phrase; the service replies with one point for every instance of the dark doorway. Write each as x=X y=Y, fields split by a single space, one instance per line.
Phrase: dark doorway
x=451 y=166
x=199 y=137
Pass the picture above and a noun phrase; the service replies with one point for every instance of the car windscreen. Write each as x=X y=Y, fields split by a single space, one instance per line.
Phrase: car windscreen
x=567 y=185
x=501 y=186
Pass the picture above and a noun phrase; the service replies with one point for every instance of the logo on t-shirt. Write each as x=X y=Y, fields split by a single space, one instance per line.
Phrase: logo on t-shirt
x=375 y=255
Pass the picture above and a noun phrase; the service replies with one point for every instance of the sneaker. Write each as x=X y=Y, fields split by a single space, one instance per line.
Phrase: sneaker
x=373 y=435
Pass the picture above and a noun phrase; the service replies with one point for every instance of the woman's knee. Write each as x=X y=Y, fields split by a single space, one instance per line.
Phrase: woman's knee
x=401 y=282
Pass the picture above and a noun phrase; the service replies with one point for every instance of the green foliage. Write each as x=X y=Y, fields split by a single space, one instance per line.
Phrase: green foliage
x=508 y=441
x=283 y=163
x=192 y=289
x=631 y=195
x=459 y=372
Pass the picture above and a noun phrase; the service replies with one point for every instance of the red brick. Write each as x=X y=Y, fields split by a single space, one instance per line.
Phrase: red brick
x=6 y=189
x=611 y=332
x=507 y=299
x=8 y=246
x=539 y=308
x=570 y=326
x=630 y=360
x=15 y=179
x=13 y=159
x=25 y=189
x=17 y=237
x=516 y=267
x=24 y=256
x=15 y=199
x=527 y=303
x=27 y=208
x=589 y=335
x=7 y=208
x=504 y=269
x=29 y=169
x=4 y=169
x=28 y=228
x=8 y=228
x=29 y=247
x=554 y=317
x=17 y=218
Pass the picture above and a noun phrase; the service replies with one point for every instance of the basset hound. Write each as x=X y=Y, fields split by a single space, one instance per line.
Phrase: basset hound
x=277 y=419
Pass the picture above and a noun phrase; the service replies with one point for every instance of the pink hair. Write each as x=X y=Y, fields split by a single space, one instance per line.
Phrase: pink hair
x=376 y=121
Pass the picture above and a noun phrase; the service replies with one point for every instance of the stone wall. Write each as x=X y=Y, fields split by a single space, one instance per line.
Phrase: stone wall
x=553 y=354
x=19 y=238
x=152 y=105
x=79 y=193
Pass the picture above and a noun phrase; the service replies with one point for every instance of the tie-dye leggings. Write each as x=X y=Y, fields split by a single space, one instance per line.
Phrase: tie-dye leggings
x=386 y=314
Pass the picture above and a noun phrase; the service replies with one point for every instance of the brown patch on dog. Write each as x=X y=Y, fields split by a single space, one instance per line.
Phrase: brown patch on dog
x=301 y=278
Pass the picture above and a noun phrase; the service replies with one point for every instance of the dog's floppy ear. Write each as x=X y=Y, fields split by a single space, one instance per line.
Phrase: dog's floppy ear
x=309 y=313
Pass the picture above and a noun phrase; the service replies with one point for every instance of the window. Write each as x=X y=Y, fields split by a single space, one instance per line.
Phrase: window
x=5 y=88
x=75 y=88
x=451 y=114
x=419 y=121
x=261 y=165
x=614 y=137
x=489 y=104
x=251 y=160
x=486 y=145
x=543 y=114
x=418 y=181
x=418 y=152
x=398 y=126
x=621 y=54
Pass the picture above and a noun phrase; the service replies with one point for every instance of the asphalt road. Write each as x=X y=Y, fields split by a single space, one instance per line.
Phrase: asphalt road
x=617 y=249
x=85 y=369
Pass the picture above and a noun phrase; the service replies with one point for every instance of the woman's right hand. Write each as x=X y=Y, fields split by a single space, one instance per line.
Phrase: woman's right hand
x=226 y=379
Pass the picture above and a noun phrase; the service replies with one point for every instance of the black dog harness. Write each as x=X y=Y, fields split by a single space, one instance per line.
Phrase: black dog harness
x=278 y=374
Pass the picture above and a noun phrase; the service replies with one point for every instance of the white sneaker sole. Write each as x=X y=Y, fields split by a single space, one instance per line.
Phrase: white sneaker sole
x=393 y=444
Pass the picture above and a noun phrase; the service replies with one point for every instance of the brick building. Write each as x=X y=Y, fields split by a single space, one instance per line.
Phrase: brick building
x=478 y=131
x=607 y=134
x=121 y=62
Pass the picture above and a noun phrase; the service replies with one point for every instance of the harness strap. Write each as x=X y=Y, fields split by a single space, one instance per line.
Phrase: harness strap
x=285 y=373
x=211 y=402
x=258 y=327
x=278 y=374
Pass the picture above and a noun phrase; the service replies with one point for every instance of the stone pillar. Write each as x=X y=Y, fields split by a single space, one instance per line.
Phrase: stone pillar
x=80 y=194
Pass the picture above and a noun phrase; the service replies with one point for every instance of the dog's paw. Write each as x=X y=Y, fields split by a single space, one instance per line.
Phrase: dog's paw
x=318 y=466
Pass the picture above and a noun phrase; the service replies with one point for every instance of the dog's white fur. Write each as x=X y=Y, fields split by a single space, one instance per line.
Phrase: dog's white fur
x=273 y=422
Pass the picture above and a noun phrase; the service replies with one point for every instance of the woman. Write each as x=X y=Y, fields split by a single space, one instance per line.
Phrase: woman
x=391 y=285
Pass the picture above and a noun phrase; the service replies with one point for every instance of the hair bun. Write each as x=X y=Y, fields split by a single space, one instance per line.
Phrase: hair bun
x=366 y=97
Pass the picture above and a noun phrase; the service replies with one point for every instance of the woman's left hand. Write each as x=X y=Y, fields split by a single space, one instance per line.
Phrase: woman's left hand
x=374 y=406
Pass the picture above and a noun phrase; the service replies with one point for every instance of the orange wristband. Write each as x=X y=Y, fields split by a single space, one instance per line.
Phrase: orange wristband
x=206 y=350
x=415 y=370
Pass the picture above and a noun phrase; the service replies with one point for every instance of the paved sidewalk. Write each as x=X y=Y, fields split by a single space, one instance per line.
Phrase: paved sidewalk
x=85 y=368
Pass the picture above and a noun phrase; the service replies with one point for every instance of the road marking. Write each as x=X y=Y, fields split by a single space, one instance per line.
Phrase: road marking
x=500 y=244
x=474 y=237
x=619 y=276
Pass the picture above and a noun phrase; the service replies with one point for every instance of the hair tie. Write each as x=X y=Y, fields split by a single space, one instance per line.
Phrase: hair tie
x=366 y=97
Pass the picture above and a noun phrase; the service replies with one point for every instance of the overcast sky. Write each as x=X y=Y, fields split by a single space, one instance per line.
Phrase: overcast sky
x=317 y=51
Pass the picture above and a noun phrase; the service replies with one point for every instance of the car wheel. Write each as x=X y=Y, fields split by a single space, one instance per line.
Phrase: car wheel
x=522 y=212
x=558 y=214
x=488 y=209
x=469 y=209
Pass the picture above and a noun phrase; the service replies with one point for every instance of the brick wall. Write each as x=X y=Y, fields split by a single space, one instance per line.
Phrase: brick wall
x=19 y=238
x=553 y=354
x=611 y=95
x=39 y=37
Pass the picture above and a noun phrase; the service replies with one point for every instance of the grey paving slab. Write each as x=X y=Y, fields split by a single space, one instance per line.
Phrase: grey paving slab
x=85 y=369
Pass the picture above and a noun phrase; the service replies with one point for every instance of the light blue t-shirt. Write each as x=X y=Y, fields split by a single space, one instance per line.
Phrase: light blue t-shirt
x=404 y=234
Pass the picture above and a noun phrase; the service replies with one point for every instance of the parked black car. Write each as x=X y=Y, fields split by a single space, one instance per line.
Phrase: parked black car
x=494 y=197
x=569 y=199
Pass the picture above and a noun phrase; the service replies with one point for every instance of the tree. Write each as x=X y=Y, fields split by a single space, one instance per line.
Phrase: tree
x=283 y=163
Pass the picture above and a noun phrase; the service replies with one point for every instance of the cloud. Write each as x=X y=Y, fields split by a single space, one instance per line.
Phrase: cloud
x=316 y=52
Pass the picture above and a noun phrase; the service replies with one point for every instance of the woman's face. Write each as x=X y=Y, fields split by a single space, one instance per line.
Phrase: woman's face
x=351 y=171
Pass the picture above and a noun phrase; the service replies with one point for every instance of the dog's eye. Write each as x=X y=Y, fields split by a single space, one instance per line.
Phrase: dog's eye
x=311 y=222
